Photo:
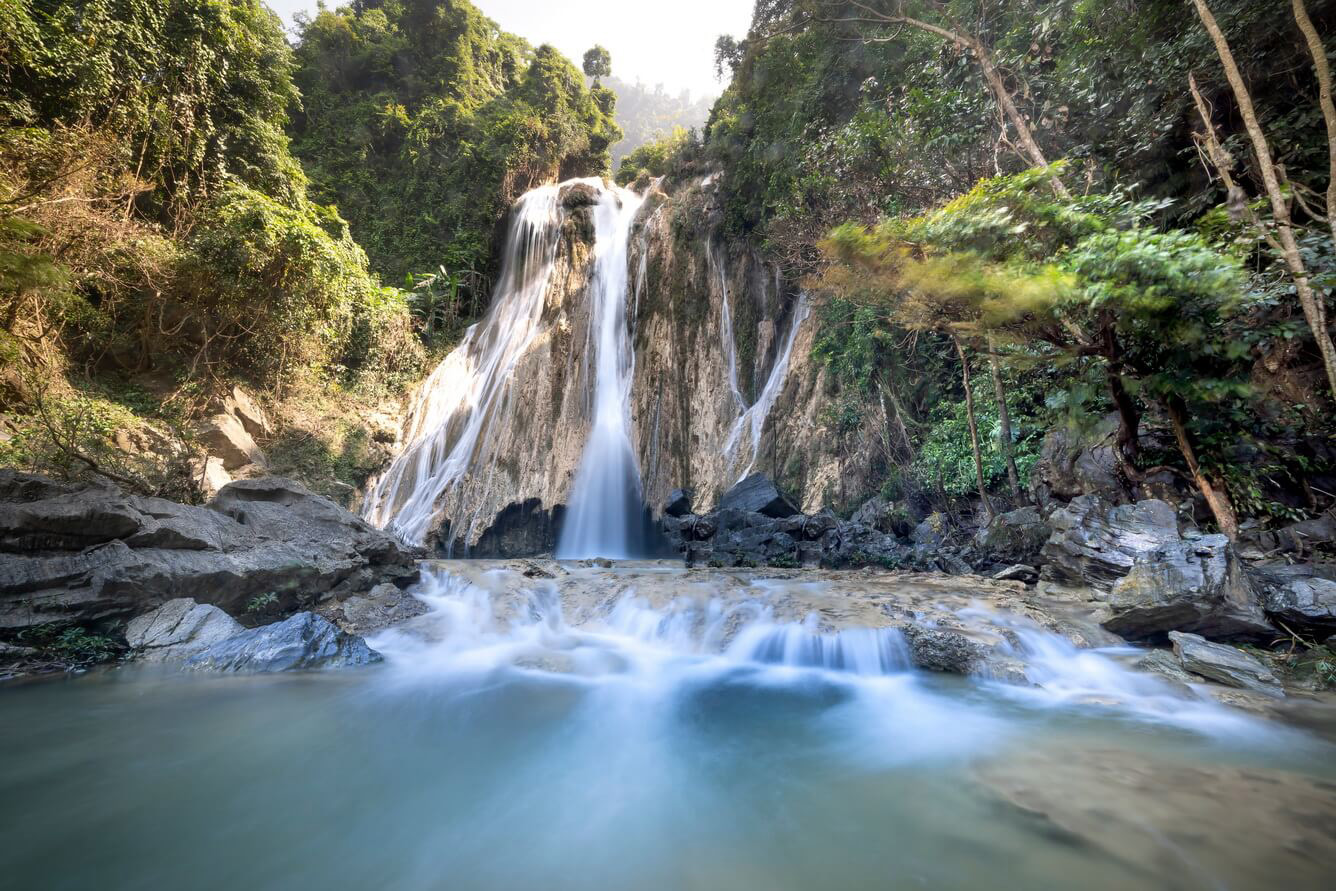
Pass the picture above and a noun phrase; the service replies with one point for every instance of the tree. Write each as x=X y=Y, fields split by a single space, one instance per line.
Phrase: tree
x=1273 y=176
x=597 y=63
x=1088 y=280
x=992 y=75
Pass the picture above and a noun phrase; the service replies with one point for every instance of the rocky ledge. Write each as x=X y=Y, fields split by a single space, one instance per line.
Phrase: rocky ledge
x=1146 y=573
x=93 y=557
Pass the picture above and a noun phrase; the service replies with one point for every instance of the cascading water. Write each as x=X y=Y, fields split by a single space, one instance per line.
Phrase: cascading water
x=605 y=517
x=754 y=417
x=729 y=344
x=443 y=435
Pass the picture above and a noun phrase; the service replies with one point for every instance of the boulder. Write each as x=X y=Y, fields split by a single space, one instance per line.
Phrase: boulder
x=1166 y=665
x=939 y=649
x=303 y=641
x=881 y=515
x=383 y=606
x=1194 y=585
x=240 y=405
x=757 y=494
x=1017 y=536
x=228 y=440
x=1096 y=543
x=678 y=503
x=932 y=532
x=1079 y=462
x=178 y=630
x=1224 y=664
x=579 y=195
x=1307 y=604
x=92 y=554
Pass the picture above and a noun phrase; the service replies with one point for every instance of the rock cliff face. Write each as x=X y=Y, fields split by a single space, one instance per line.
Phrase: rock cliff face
x=721 y=347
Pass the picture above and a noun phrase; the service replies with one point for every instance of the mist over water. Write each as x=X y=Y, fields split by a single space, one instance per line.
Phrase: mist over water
x=701 y=745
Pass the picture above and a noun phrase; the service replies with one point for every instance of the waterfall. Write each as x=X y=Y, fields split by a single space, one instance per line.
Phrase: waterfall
x=753 y=418
x=605 y=517
x=443 y=434
x=730 y=347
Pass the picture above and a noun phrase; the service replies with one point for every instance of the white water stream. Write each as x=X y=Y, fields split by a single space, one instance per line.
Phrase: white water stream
x=444 y=436
x=606 y=504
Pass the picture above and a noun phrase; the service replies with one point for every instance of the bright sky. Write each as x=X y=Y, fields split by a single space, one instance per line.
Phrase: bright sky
x=650 y=40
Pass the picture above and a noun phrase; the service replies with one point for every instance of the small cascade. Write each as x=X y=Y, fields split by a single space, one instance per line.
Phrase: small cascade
x=606 y=513
x=753 y=419
x=444 y=431
x=863 y=651
x=729 y=344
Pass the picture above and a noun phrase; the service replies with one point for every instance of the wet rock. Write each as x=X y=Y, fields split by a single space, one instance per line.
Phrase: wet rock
x=303 y=641
x=678 y=503
x=1018 y=572
x=1224 y=664
x=84 y=555
x=381 y=607
x=1017 y=536
x=1303 y=603
x=1096 y=543
x=1197 y=585
x=757 y=494
x=1165 y=664
x=1249 y=826
x=579 y=195
x=938 y=649
x=178 y=630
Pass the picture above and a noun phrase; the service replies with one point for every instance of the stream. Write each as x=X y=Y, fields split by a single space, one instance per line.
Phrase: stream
x=692 y=744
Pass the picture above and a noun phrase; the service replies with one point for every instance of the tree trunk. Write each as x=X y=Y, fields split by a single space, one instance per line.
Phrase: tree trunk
x=1004 y=424
x=1323 y=71
x=996 y=85
x=1217 y=498
x=1315 y=311
x=974 y=428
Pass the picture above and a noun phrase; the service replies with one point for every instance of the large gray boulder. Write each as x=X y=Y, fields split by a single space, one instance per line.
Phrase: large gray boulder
x=1096 y=543
x=1192 y=585
x=92 y=554
x=303 y=641
x=1017 y=536
x=678 y=503
x=1224 y=664
x=1076 y=462
x=757 y=494
x=227 y=438
x=882 y=515
x=178 y=630
x=1306 y=604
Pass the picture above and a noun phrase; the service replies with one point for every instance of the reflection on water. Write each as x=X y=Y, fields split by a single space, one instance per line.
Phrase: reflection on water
x=704 y=747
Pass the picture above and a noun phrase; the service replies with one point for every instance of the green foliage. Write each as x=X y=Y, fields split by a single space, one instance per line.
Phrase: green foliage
x=423 y=122
x=829 y=119
x=261 y=602
x=653 y=158
x=290 y=286
x=597 y=63
x=947 y=461
x=71 y=645
x=198 y=89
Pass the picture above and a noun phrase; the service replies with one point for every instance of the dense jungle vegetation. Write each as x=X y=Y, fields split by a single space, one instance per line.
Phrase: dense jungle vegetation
x=1167 y=259
x=186 y=200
